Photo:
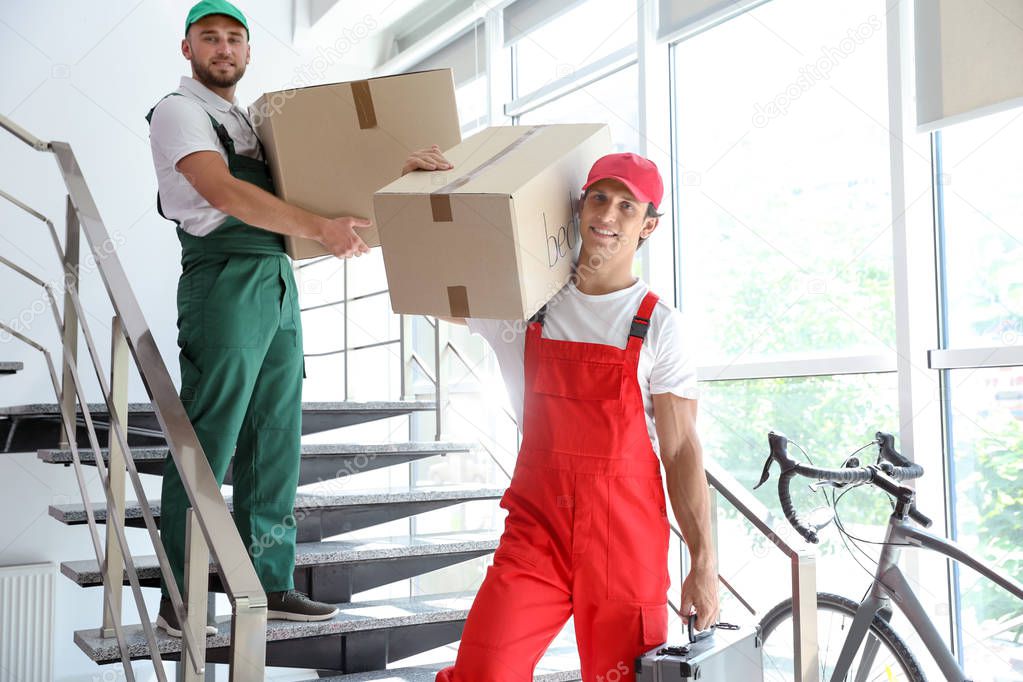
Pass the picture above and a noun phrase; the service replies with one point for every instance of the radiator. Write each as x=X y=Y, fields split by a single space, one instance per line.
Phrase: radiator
x=27 y=598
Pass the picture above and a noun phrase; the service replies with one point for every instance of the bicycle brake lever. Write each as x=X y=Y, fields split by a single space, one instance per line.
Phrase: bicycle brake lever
x=766 y=473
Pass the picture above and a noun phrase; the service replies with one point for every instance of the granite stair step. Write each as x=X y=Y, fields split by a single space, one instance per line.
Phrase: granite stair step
x=320 y=515
x=319 y=462
x=364 y=636
x=11 y=367
x=333 y=571
x=29 y=428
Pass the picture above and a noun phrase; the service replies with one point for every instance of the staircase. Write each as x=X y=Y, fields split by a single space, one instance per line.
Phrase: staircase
x=366 y=635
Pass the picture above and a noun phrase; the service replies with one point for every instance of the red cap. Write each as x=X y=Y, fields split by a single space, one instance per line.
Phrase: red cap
x=638 y=174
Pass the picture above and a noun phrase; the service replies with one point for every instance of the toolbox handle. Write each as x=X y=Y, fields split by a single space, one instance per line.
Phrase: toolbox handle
x=696 y=635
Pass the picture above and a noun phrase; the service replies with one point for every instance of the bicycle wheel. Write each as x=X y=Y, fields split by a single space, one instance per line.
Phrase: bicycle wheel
x=892 y=661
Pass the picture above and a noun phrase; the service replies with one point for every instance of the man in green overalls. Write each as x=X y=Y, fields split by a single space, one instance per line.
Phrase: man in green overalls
x=239 y=328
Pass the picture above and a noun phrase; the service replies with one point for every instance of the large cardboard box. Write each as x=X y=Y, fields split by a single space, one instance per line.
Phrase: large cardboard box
x=496 y=236
x=330 y=147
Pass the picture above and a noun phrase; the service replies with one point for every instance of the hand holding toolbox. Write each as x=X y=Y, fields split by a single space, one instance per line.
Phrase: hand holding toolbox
x=721 y=653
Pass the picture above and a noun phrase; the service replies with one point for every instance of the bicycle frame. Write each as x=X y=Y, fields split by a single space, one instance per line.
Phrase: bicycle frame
x=890 y=582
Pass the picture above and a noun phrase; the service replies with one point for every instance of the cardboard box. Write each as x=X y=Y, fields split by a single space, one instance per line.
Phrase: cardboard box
x=497 y=235
x=330 y=147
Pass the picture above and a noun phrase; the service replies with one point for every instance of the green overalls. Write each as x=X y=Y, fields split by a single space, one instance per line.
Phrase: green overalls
x=240 y=335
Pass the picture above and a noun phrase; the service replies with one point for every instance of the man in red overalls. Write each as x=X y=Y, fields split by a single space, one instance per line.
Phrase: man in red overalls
x=606 y=387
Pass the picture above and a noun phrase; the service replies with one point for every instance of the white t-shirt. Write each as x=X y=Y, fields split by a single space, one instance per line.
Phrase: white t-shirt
x=665 y=361
x=179 y=127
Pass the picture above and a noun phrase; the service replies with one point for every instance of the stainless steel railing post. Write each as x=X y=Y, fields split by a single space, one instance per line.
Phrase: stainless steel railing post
x=115 y=480
x=197 y=577
x=804 y=617
x=70 y=269
x=803 y=561
x=402 y=359
x=344 y=278
x=440 y=394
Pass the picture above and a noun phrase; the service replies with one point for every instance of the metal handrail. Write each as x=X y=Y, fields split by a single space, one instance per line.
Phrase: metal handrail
x=114 y=501
x=416 y=358
x=23 y=135
x=803 y=567
x=342 y=351
x=114 y=520
x=39 y=216
x=211 y=516
x=496 y=461
x=343 y=301
x=449 y=346
x=109 y=604
x=117 y=429
x=408 y=357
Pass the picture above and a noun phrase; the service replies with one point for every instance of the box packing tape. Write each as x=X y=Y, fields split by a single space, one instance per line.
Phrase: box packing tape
x=440 y=206
x=364 y=104
x=458 y=301
x=440 y=200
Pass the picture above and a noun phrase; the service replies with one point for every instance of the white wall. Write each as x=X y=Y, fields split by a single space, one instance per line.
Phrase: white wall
x=87 y=73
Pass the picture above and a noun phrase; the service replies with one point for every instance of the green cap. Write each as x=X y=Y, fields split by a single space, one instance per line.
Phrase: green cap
x=208 y=7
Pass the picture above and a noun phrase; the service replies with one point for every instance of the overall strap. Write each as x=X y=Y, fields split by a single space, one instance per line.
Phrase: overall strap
x=540 y=315
x=225 y=139
x=149 y=116
x=149 y=120
x=219 y=128
x=641 y=321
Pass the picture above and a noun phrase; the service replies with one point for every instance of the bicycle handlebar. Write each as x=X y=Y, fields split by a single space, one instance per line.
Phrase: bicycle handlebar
x=892 y=468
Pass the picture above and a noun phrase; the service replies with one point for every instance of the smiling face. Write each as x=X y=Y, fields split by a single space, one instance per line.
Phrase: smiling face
x=612 y=220
x=218 y=47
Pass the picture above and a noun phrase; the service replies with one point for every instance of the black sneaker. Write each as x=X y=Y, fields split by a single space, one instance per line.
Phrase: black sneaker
x=295 y=605
x=168 y=620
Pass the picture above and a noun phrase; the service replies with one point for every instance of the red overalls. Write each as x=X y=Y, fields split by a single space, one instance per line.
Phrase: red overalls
x=587 y=528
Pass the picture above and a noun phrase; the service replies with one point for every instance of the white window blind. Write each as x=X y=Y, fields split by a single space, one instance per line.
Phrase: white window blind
x=524 y=16
x=679 y=18
x=969 y=59
x=466 y=55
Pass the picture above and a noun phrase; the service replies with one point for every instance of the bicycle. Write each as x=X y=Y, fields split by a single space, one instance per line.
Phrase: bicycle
x=870 y=649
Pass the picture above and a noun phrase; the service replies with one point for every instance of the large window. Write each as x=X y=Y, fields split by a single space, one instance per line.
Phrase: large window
x=571 y=81
x=559 y=47
x=611 y=100
x=783 y=212
x=828 y=417
x=471 y=99
x=981 y=186
x=980 y=209
x=784 y=201
x=466 y=56
x=987 y=426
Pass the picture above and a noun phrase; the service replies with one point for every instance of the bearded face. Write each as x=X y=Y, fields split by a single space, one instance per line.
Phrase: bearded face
x=221 y=72
x=218 y=48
